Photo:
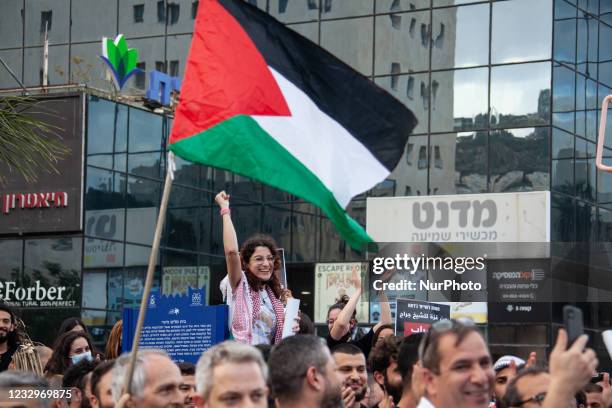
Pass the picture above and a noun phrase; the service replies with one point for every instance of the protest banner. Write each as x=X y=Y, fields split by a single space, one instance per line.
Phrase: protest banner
x=413 y=316
x=183 y=326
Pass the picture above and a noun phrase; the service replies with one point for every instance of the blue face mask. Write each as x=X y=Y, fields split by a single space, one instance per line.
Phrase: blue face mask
x=83 y=356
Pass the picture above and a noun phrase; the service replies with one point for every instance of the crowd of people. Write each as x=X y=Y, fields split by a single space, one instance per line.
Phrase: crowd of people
x=448 y=366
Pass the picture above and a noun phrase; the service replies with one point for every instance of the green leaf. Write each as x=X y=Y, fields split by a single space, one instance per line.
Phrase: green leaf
x=122 y=47
x=111 y=50
x=132 y=59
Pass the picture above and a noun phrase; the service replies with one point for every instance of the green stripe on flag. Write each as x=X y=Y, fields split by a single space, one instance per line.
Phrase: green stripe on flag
x=240 y=145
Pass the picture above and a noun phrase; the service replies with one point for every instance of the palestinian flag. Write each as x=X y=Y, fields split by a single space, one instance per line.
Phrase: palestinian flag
x=262 y=101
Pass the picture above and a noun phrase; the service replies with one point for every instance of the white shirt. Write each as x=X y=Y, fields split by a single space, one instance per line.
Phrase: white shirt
x=425 y=403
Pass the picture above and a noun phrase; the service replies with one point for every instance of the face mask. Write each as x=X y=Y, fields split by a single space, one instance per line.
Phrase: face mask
x=83 y=356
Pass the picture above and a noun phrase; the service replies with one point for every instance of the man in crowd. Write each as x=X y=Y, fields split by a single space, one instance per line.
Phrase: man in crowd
x=100 y=385
x=407 y=359
x=8 y=336
x=231 y=374
x=303 y=374
x=74 y=379
x=187 y=387
x=457 y=368
x=383 y=364
x=155 y=383
x=528 y=389
x=351 y=364
x=594 y=395
x=505 y=370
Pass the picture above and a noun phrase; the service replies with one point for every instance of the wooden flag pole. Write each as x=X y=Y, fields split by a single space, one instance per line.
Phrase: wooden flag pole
x=150 y=271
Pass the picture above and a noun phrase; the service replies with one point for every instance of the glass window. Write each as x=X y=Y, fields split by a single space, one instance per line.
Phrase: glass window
x=290 y=11
x=194 y=9
x=465 y=46
x=402 y=41
x=519 y=160
x=564 y=92
x=308 y=30
x=565 y=33
x=605 y=55
x=587 y=45
x=145 y=164
x=562 y=144
x=393 y=6
x=350 y=41
x=104 y=189
x=562 y=218
x=304 y=232
x=440 y=3
x=145 y=131
x=278 y=221
x=460 y=163
x=150 y=22
x=522 y=31
x=143 y=198
x=106 y=122
x=331 y=246
x=563 y=176
x=11 y=24
x=520 y=94
x=176 y=53
x=12 y=257
x=604 y=181
x=339 y=8
x=605 y=12
x=86 y=28
x=188 y=218
x=134 y=279
x=138 y=13
x=98 y=253
x=55 y=13
x=406 y=174
x=585 y=178
x=459 y=102
x=412 y=91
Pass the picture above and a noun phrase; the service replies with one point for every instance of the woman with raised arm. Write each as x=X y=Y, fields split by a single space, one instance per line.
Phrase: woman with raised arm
x=251 y=288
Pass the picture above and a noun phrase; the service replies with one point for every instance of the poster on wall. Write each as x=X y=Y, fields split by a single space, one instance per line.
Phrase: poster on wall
x=334 y=280
x=177 y=279
x=413 y=316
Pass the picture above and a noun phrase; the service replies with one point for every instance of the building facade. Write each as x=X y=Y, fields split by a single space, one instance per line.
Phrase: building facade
x=506 y=92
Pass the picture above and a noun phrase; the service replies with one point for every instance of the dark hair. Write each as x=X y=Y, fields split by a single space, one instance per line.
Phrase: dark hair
x=5 y=308
x=306 y=324
x=69 y=324
x=383 y=354
x=379 y=330
x=591 y=387
x=290 y=360
x=265 y=350
x=75 y=374
x=581 y=398
x=12 y=337
x=512 y=397
x=246 y=252
x=430 y=354
x=186 y=368
x=59 y=361
x=347 y=348
x=408 y=355
x=340 y=305
x=102 y=368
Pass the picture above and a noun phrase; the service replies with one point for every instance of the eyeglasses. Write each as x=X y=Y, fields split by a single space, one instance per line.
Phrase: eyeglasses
x=538 y=399
x=261 y=259
x=442 y=326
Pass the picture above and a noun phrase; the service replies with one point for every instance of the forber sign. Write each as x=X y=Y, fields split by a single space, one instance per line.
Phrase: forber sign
x=34 y=296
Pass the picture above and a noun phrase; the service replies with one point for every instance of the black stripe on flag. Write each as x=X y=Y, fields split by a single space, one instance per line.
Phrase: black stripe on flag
x=374 y=117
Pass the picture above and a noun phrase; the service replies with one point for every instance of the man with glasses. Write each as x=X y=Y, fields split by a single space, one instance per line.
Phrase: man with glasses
x=457 y=368
x=528 y=388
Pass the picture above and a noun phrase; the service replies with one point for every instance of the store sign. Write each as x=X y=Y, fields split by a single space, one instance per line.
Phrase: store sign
x=161 y=86
x=34 y=200
x=120 y=59
x=506 y=217
x=53 y=202
x=36 y=295
x=334 y=280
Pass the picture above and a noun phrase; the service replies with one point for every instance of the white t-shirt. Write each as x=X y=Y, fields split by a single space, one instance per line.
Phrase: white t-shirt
x=264 y=326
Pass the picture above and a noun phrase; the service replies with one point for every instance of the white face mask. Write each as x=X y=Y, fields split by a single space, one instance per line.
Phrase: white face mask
x=83 y=356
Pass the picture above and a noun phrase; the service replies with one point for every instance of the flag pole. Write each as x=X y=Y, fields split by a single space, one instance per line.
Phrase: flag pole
x=171 y=167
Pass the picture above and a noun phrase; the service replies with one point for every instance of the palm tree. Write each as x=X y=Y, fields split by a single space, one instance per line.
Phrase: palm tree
x=27 y=143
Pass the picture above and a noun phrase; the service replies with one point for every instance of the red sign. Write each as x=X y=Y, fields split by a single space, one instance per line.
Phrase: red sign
x=34 y=200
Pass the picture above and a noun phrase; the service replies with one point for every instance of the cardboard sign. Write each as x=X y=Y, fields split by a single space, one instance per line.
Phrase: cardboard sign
x=413 y=316
x=180 y=325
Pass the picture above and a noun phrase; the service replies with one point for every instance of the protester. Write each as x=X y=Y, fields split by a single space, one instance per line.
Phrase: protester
x=528 y=389
x=303 y=374
x=457 y=368
x=155 y=383
x=351 y=364
x=70 y=348
x=594 y=395
x=231 y=374
x=8 y=336
x=72 y=324
x=251 y=288
x=113 y=344
x=407 y=358
x=74 y=380
x=100 y=384
x=306 y=324
x=375 y=394
x=381 y=333
x=505 y=369
x=383 y=364
x=188 y=387
x=341 y=320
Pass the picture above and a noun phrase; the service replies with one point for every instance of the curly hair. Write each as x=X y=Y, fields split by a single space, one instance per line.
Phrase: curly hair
x=246 y=252
x=59 y=361
x=113 y=345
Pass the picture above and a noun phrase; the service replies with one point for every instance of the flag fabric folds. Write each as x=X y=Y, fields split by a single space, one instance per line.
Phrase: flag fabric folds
x=262 y=101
